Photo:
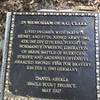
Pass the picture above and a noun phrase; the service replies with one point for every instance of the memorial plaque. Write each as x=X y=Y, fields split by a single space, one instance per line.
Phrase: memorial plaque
x=52 y=56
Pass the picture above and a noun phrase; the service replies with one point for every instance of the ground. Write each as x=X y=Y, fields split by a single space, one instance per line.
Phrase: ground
x=32 y=5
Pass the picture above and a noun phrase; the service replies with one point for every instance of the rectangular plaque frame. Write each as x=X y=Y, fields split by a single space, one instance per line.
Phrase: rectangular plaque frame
x=8 y=49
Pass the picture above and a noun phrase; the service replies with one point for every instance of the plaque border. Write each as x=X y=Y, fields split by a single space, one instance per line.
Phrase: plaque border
x=5 y=93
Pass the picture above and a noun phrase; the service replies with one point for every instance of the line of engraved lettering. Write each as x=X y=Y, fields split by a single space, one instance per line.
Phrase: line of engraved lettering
x=57 y=63
x=53 y=47
x=70 y=37
x=48 y=22
x=55 y=32
x=48 y=78
x=49 y=84
x=52 y=57
x=52 y=68
x=55 y=52
x=54 y=42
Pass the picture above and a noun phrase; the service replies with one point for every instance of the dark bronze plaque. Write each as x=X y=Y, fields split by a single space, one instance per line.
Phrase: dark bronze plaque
x=52 y=55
